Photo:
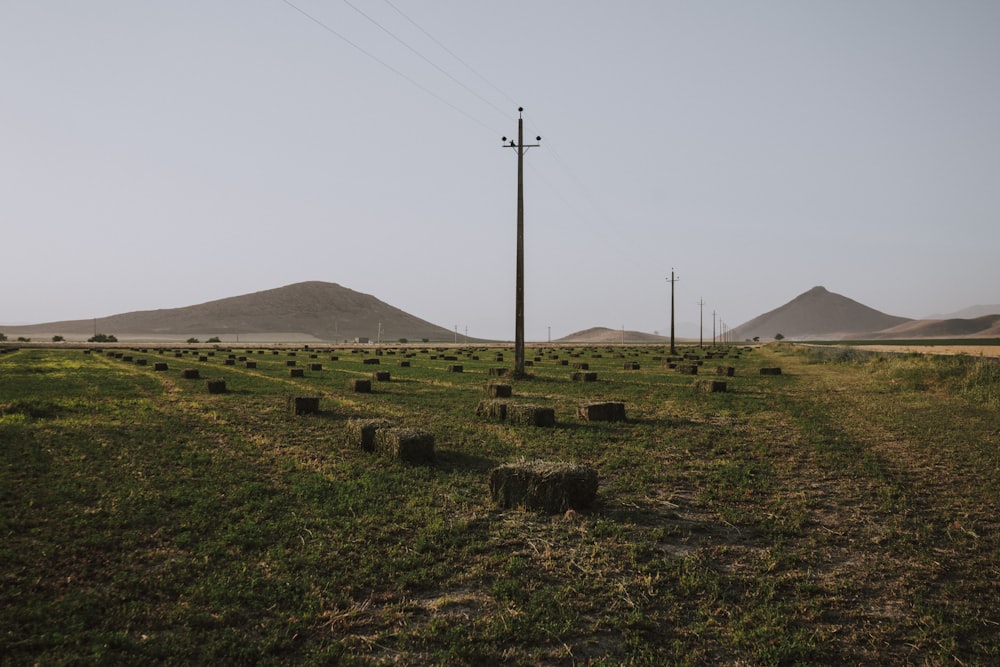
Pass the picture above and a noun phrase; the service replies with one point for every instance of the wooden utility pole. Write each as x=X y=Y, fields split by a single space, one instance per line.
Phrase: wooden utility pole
x=672 y=280
x=713 y=328
x=520 y=148
x=701 y=319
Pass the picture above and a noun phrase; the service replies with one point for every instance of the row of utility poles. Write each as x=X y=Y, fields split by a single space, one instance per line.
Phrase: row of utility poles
x=521 y=148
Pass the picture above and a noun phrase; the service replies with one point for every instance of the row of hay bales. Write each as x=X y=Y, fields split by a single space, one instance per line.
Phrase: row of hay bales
x=537 y=485
x=494 y=408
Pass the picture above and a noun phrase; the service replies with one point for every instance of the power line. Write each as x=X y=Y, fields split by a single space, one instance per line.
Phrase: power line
x=381 y=62
x=451 y=53
x=420 y=55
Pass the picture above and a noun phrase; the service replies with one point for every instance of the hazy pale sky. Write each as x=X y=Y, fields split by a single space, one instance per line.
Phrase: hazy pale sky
x=162 y=154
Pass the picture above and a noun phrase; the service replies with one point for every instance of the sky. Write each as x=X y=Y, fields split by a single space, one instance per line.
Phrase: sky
x=163 y=154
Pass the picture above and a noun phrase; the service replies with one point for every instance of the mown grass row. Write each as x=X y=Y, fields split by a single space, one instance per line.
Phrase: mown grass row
x=786 y=521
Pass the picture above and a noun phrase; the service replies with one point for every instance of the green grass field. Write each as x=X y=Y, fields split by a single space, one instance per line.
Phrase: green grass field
x=843 y=512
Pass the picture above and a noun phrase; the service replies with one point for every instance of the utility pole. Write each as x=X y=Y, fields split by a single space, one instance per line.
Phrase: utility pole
x=701 y=311
x=672 y=280
x=713 y=328
x=520 y=148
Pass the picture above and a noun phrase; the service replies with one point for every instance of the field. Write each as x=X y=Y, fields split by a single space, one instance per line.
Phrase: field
x=843 y=512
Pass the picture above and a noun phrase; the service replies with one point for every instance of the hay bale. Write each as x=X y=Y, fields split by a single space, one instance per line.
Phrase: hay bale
x=581 y=365
x=370 y=360
x=728 y=371
x=381 y=376
x=229 y=362
x=455 y=368
x=710 y=386
x=583 y=376
x=190 y=374
x=361 y=432
x=607 y=411
x=770 y=371
x=498 y=390
x=687 y=369
x=545 y=486
x=315 y=367
x=296 y=372
x=631 y=365
x=531 y=415
x=405 y=444
x=403 y=363
x=140 y=362
x=361 y=386
x=160 y=366
x=216 y=386
x=495 y=410
x=251 y=364
x=499 y=372
x=290 y=362
x=303 y=405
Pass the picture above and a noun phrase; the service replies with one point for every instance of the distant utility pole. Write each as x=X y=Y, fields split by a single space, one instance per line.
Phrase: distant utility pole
x=672 y=280
x=713 y=328
x=701 y=312
x=520 y=148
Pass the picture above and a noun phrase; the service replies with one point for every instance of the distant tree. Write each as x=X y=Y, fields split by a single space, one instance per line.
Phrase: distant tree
x=403 y=341
x=57 y=339
x=756 y=339
x=193 y=340
x=779 y=336
x=3 y=337
x=425 y=339
x=22 y=339
x=102 y=338
x=213 y=339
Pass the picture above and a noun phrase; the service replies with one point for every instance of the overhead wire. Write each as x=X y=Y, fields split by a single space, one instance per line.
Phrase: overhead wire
x=602 y=218
x=381 y=62
x=422 y=56
x=453 y=54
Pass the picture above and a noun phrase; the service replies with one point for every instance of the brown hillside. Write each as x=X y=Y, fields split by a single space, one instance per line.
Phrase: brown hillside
x=320 y=310
x=817 y=313
x=605 y=335
x=987 y=326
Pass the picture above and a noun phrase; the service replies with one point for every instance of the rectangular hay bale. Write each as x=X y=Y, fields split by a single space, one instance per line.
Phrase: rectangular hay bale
x=710 y=386
x=495 y=410
x=361 y=432
x=498 y=390
x=531 y=415
x=303 y=405
x=607 y=411
x=545 y=486
x=405 y=444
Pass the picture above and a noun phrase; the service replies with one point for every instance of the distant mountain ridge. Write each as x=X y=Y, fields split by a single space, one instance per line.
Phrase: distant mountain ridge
x=987 y=326
x=606 y=335
x=816 y=314
x=314 y=309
